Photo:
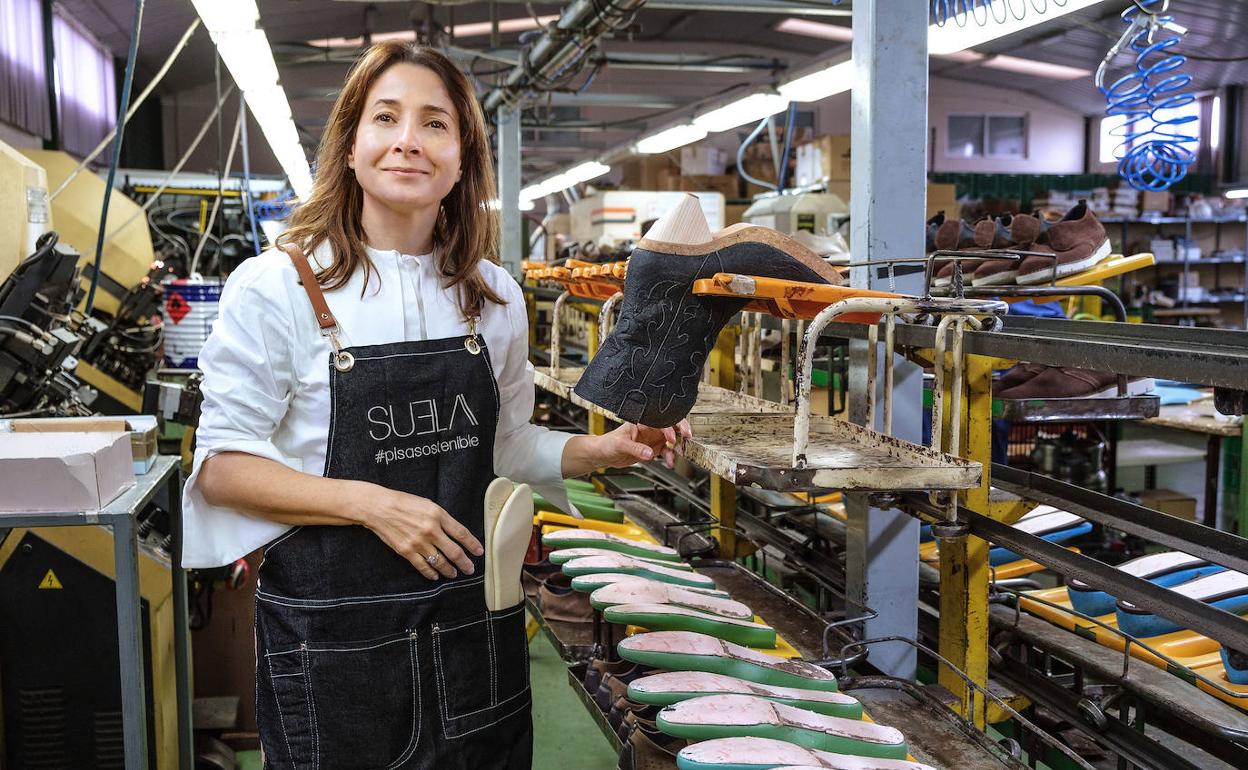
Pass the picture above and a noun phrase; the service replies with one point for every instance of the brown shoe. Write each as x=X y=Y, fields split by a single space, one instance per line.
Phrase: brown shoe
x=952 y=235
x=993 y=233
x=1068 y=382
x=1025 y=230
x=1079 y=241
x=557 y=601
x=1017 y=376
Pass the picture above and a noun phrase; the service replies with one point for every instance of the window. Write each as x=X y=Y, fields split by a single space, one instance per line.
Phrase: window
x=86 y=85
x=23 y=90
x=987 y=136
x=1186 y=122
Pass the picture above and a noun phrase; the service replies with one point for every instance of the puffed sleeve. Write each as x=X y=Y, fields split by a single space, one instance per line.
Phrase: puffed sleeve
x=524 y=452
x=247 y=386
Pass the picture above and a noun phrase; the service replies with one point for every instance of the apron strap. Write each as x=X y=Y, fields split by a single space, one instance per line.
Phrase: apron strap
x=343 y=361
x=324 y=318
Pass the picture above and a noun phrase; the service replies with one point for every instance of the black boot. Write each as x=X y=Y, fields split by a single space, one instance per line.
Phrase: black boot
x=648 y=369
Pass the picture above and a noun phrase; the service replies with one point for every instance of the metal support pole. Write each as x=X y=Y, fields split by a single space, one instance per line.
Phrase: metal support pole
x=130 y=643
x=889 y=128
x=723 y=373
x=597 y=423
x=181 y=630
x=511 y=250
x=53 y=140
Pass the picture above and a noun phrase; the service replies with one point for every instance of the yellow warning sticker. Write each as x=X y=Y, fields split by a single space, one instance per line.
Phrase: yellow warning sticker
x=50 y=581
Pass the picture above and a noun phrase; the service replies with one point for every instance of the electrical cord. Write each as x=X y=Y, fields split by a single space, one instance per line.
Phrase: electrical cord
x=123 y=108
x=251 y=214
x=216 y=204
x=177 y=167
x=741 y=155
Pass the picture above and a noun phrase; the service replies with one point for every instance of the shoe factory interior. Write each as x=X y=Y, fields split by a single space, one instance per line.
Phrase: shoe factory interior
x=945 y=304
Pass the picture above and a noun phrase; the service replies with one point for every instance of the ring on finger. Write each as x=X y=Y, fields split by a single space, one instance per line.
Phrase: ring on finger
x=433 y=559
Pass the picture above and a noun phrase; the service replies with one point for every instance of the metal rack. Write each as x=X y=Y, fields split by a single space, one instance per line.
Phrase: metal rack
x=120 y=516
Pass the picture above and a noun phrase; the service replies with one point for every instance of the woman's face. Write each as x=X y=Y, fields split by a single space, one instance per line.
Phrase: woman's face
x=406 y=149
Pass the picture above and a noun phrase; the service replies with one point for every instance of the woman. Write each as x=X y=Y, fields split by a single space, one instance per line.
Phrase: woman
x=363 y=385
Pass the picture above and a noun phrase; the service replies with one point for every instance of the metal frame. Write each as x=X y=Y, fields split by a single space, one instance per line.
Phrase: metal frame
x=120 y=515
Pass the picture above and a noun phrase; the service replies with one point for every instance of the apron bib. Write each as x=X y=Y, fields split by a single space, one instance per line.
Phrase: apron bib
x=363 y=663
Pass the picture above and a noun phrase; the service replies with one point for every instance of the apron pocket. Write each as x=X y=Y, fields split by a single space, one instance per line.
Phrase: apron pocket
x=482 y=670
x=288 y=705
x=365 y=702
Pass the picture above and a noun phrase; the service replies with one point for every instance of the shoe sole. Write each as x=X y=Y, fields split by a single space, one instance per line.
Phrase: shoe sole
x=1070 y=268
x=997 y=279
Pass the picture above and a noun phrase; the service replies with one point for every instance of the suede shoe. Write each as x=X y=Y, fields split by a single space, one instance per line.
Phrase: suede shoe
x=1017 y=376
x=1069 y=382
x=1079 y=242
x=1025 y=231
x=952 y=235
x=648 y=369
x=933 y=225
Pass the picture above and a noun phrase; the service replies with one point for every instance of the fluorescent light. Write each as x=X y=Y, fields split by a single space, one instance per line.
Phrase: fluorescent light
x=819 y=85
x=1236 y=194
x=815 y=29
x=227 y=15
x=669 y=139
x=573 y=176
x=527 y=205
x=1215 y=124
x=247 y=55
x=952 y=37
x=749 y=109
x=1035 y=68
x=518 y=24
x=470 y=29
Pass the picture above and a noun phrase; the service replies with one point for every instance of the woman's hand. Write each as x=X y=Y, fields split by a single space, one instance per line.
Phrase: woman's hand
x=627 y=445
x=417 y=528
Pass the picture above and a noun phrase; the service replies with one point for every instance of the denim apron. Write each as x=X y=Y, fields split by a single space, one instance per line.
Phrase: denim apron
x=363 y=663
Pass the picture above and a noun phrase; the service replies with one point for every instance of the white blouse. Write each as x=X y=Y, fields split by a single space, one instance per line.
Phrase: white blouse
x=266 y=380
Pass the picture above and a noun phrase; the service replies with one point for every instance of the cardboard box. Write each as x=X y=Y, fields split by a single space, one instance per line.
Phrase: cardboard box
x=724 y=184
x=1154 y=202
x=824 y=157
x=644 y=172
x=57 y=471
x=700 y=160
x=1169 y=501
x=943 y=197
x=141 y=427
x=734 y=212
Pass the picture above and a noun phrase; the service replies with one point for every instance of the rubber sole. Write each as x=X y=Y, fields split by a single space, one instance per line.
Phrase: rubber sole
x=1070 y=268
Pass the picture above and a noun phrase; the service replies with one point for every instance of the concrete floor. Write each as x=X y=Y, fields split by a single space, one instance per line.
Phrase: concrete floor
x=565 y=738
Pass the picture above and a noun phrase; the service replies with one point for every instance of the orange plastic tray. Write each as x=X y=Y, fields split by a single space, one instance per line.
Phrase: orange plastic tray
x=787 y=299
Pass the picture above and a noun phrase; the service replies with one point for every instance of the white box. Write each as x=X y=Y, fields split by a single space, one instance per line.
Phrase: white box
x=63 y=471
x=702 y=161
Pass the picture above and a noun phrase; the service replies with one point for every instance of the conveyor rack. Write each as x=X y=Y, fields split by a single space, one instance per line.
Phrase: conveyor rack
x=1171 y=703
x=741 y=438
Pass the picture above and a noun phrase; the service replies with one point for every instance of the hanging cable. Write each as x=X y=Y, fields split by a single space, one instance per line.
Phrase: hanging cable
x=251 y=214
x=1156 y=149
x=177 y=49
x=216 y=204
x=789 y=121
x=741 y=155
x=177 y=167
x=122 y=109
x=985 y=12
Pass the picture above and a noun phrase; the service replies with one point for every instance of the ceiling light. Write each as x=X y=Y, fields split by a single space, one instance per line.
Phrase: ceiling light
x=519 y=24
x=1236 y=194
x=952 y=37
x=249 y=59
x=819 y=85
x=469 y=29
x=749 y=109
x=815 y=29
x=1035 y=68
x=227 y=15
x=669 y=139
x=573 y=176
x=248 y=56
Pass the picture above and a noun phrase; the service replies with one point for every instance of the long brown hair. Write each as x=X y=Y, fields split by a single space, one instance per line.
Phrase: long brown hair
x=466 y=230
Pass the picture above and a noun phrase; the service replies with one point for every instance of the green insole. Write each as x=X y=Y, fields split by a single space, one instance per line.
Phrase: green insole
x=674 y=618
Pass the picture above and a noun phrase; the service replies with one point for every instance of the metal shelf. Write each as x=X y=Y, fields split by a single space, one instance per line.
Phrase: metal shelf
x=1031 y=410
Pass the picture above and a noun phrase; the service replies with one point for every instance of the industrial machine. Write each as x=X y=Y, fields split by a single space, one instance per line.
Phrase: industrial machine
x=813 y=213
x=60 y=693
x=608 y=220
